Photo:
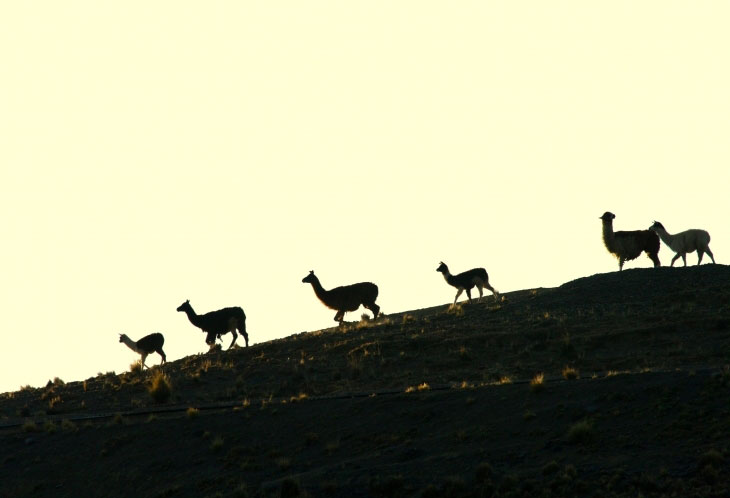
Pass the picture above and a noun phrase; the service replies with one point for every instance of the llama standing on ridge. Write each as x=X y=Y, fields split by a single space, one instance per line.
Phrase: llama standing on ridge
x=148 y=344
x=629 y=245
x=217 y=323
x=683 y=242
x=466 y=280
x=345 y=298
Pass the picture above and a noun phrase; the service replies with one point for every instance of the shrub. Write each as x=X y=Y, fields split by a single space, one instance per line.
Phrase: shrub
x=581 y=432
x=217 y=443
x=161 y=389
x=30 y=426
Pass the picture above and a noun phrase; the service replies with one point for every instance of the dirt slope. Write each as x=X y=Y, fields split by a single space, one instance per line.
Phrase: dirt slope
x=431 y=402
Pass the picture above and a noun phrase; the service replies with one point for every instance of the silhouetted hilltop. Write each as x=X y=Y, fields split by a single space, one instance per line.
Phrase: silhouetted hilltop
x=610 y=385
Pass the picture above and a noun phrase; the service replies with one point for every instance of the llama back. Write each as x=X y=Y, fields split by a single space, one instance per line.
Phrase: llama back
x=224 y=314
x=695 y=238
x=151 y=342
x=632 y=243
x=351 y=296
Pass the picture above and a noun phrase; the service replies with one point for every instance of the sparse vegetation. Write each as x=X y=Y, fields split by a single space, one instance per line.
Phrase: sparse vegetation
x=217 y=443
x=420 y=387
x=161 y=388
x=537 y=384
x=570 y=373
x=30 y=426
x=455 y=309
x=581 y=432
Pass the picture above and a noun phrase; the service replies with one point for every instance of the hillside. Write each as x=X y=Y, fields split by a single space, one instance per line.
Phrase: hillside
x=431 y=402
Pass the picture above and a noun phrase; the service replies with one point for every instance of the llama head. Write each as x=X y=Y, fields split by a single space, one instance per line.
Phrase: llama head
x=122 y=337
x=656 y=226
x=184 y=306
x=442 y=267
x=309 y=278
x=608 y=216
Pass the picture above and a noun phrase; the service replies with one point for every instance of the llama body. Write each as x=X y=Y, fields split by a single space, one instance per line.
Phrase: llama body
x=465 y=281
x=628 y=245
x=217 y=323
x=683 y=242
x=346 y=298
x=148 y=344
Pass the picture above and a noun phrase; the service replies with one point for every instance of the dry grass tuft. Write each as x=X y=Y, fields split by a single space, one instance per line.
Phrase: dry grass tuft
x=161 y=389
x=455 y=309
x=420 y=387
x=537 y=384
x=570 y=373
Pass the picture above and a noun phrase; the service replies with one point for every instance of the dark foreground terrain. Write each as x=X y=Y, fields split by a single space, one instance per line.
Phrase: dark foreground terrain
x=633 y=400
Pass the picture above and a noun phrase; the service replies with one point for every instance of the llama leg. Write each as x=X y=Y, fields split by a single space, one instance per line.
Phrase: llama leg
x=235 y=336
x=144 y=357
x=700 y=253
x=458 y=293
x=374 y=308
x=242 y=330
x=655 y=259
x=162 y=354
x=468 y=295
x=709 y=253
x=621 y=264
x=496 y=294
x=479 y=288
x=339 y=317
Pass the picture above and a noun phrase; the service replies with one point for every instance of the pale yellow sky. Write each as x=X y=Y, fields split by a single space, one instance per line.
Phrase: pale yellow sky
x=153 y=152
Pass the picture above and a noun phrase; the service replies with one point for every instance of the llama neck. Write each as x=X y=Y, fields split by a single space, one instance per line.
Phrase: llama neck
x=608 y=237
x=318 y=289
x=130 y=343
x=666 y=237
x=448 y=276
x=192 y=316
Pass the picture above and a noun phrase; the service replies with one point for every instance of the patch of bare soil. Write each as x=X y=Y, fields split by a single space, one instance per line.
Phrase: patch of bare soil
x=434 y=402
